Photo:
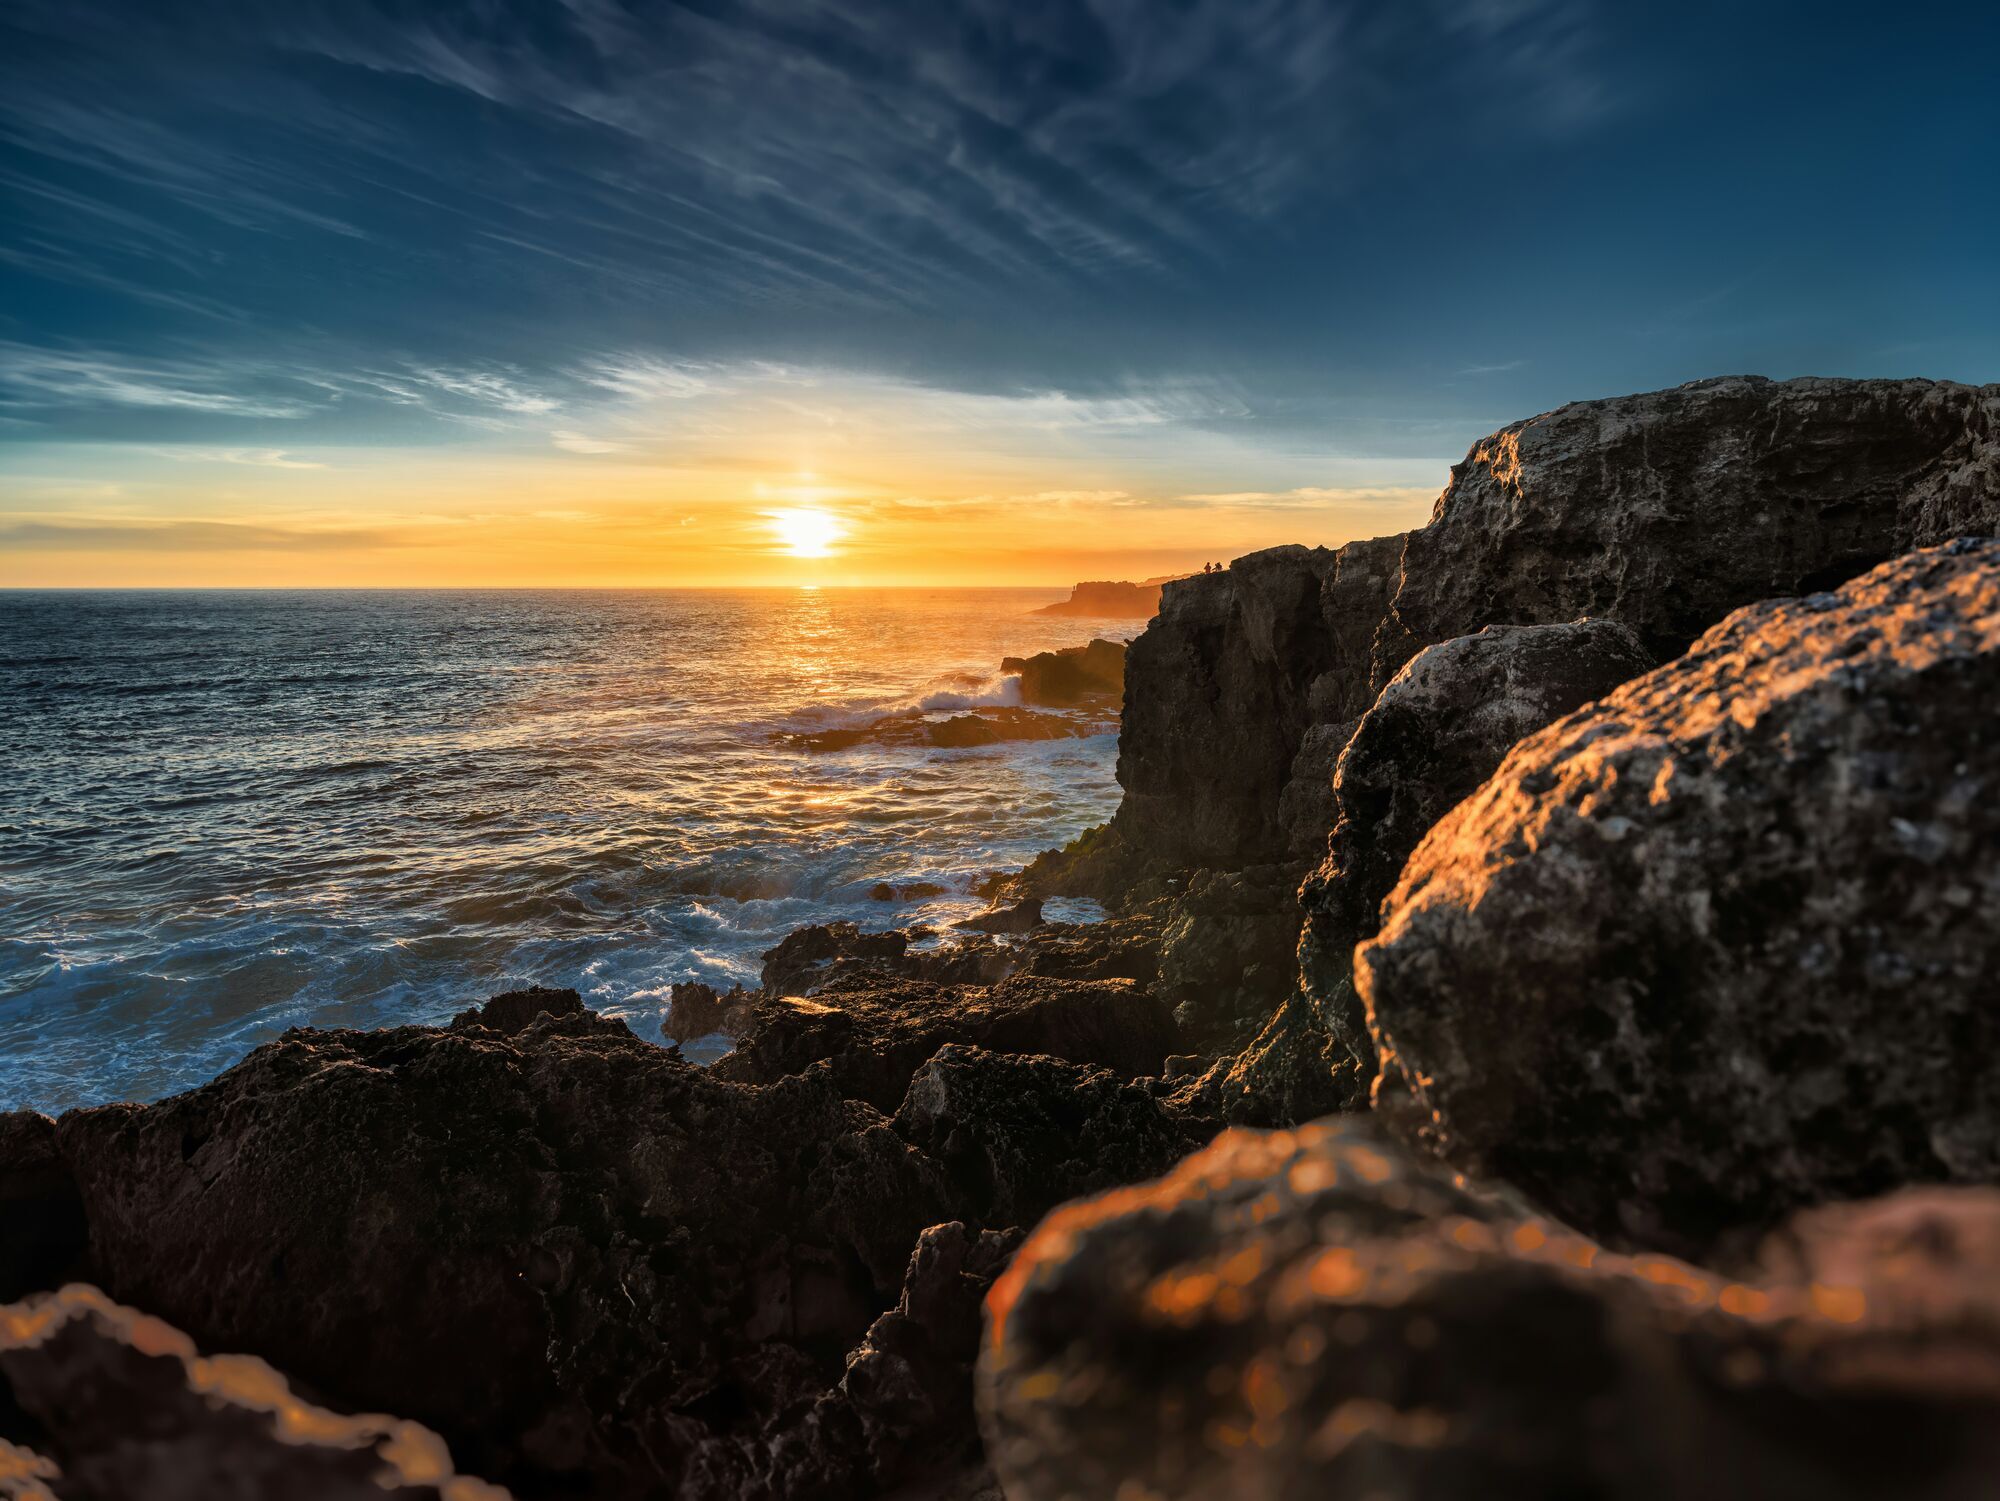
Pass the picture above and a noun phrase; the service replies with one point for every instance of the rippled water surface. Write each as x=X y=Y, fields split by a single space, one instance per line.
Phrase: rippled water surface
x=223 y=814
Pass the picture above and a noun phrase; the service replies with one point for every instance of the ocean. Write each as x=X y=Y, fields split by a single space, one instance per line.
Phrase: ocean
x=223 y=814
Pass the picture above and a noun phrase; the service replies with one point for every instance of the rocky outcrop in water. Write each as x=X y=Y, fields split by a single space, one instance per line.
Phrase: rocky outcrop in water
x=1320 y=1313
x=1439 y=729
x=1072 y=675
x=1720 y=944
x=102 y=1403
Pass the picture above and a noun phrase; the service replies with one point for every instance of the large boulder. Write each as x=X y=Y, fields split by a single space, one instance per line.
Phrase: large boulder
x=104 y=1403
x=874 y=1036
x=1669 y=509
x=1319 y=1313
x=1438 y=730
x=1721 y=944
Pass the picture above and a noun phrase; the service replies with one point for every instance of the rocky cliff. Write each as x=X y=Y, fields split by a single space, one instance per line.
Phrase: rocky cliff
x=1668 y=944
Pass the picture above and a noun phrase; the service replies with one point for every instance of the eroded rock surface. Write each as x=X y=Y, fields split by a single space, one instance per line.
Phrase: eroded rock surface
x=873 y=1036
x=102 y=1403
x=1668 y=510
x=1439 y=729
x=1722 y=943
x=1319 y=1313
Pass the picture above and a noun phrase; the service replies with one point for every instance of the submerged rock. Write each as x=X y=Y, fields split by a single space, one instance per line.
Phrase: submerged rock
x=1721 y=944
x=103 y=1403
x=873 y=1036
x=1317 y=1313
x=1439 y=729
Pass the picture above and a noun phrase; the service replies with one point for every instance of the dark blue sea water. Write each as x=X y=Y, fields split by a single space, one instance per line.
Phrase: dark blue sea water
x=223 y=814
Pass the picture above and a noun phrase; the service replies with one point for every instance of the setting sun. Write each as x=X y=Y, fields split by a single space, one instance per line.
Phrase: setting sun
x=806 y=534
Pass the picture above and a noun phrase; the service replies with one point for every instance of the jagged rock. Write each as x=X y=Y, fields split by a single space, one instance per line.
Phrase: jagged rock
x=873 y=1037
x=116 y=1405
x=1438 y=730
x=1072 y=675
x=1670 y=509
x=1021 y=1134
x=569 y=1251
x=1721 y=944
x=696 y=1010
x=1318 y=1313
x=797 y=964
x=1221 y=688
x=1293 y=1070
x=508 y=1014
x=42 y=1230
x=1023 y=917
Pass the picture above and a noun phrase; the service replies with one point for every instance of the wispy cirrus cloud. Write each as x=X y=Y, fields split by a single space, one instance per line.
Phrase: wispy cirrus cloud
x=262 y=458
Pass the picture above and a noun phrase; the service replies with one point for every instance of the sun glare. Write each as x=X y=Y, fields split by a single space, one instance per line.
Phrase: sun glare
x=806 y=534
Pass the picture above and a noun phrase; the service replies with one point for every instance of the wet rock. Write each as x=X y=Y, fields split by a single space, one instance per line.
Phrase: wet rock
x=800 y=959
x=1439 y=729
x=1221 y=689
x=994 y=726
x=103 y=1403
x=1670 y=509
x=577 y=1256
x=904 y=891
x=696 y=1010
x=873 y=1036
x=1319 y=1313
x=1072 y=675
x=1023 y=917
x=508 y=1014
x=1019 y=1135
x=1720 y=944
x=42 y=1230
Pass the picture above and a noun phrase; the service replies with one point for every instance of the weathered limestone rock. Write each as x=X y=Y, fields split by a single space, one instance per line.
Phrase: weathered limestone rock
x=1437 y=731
x=1318 y=1313
x=874 y=1036
x=1670 y=509
x=1721 y=944
x=103 y=1403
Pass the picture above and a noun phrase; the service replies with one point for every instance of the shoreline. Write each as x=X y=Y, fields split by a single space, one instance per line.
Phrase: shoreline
x=1493 y=963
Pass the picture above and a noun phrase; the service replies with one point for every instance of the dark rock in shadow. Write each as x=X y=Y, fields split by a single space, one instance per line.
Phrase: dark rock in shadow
x=1072 y=676
x=1317 y=1313
x=118 y=1406
x=1023 y=917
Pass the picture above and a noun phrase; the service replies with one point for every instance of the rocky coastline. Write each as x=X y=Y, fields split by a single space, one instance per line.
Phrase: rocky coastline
x=1546 y=1041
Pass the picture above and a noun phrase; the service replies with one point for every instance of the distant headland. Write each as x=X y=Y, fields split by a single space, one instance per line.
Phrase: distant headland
x=1113 y=597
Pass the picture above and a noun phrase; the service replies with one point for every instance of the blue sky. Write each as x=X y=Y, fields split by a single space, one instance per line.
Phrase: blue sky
x=287 y=290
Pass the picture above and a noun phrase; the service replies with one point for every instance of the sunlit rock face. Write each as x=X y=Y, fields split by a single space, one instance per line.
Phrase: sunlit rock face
x=100 y=1402
x=1309 y=1314
x=1722 y=943
x=1669 y=509
x=1439 y=729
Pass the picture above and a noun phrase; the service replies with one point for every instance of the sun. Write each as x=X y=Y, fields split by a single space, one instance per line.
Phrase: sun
x=805 y=534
